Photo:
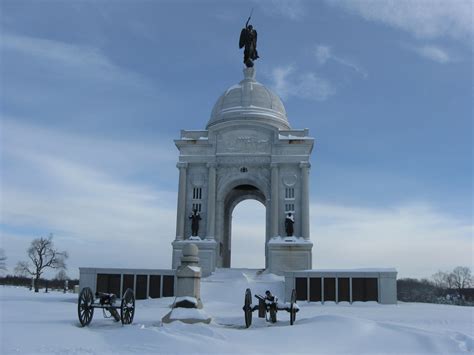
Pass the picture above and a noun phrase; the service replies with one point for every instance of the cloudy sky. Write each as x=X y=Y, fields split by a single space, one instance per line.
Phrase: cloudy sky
x=94 y=92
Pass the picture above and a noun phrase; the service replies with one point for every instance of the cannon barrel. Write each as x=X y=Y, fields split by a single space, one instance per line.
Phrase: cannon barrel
x=106 y=298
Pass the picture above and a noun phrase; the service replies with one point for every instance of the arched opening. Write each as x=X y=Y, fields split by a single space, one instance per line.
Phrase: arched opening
x=248 y=235
x=238 y=194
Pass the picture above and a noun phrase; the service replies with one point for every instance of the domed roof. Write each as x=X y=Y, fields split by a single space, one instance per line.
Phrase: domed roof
x=249 y=100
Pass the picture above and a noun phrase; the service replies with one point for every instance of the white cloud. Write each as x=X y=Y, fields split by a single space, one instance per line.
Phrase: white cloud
x=324 y=53
x=73 y=59
x=434 y=53
x=423 y=18
x=280 y=80
x=21 y=139
x=85 y=191
x=307 y=85
x=291 y=9
x=248 y=235
x=414 y=238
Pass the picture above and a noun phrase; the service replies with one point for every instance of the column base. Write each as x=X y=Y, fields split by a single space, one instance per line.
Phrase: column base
x=289 y=254
x=207 y=253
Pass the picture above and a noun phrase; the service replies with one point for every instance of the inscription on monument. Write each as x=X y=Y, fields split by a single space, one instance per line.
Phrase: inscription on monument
x=243 y=141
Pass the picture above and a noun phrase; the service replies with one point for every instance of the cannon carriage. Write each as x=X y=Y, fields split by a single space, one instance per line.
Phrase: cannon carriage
x=268 y=306
x=108 y=303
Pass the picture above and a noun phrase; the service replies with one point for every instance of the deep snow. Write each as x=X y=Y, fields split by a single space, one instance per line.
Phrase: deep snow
x=47 y=323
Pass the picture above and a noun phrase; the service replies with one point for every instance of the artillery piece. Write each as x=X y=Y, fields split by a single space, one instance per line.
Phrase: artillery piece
x=107 y=301
x=268 y=305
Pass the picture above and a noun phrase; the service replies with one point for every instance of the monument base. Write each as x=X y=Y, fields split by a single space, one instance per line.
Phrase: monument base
x=187 y=315
x=207 y=253
x=289 y=254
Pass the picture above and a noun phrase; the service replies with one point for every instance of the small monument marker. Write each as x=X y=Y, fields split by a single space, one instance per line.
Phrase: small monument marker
x=187 y=306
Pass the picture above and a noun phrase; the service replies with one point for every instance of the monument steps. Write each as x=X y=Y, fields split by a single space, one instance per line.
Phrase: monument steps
x=229 y=285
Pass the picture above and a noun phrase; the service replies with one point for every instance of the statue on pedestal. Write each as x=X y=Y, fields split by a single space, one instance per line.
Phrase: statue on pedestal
x=289 y=222
x=195 y=217
x=248 y=39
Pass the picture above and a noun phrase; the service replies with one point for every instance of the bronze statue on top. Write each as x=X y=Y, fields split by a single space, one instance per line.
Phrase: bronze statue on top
x=248 y=39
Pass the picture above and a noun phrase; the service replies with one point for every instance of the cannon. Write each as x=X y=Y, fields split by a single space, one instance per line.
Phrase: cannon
x=268 y=307
x=108 y=303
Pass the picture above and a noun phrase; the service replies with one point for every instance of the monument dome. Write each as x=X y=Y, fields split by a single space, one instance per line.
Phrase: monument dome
x=249 y=100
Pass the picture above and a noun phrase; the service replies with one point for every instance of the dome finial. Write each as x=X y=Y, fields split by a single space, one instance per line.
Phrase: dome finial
x=249 y=74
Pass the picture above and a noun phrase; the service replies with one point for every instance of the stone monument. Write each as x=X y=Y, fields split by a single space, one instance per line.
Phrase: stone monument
x=247 y=151
x=187 y=306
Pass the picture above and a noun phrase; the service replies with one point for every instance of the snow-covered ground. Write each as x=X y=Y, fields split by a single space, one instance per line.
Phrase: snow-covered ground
x=47 y=323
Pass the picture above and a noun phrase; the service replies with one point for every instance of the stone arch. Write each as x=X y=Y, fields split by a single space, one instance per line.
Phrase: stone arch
x=236 y=192
x=259 y=182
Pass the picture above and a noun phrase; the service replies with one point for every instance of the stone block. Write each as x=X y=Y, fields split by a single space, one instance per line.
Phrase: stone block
x=294 y=254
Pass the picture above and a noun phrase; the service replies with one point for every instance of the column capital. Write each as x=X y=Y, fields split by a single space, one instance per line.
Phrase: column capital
x=274 y=165
x=212 y=165
x=305 y=164
x=182 y=165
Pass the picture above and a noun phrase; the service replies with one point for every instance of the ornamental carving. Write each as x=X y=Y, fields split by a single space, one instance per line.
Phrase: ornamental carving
x=289 y=179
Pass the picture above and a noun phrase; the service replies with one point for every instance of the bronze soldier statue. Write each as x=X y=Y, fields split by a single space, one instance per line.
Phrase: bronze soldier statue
x=289 y=222
x=248 y=39
x=195 y=218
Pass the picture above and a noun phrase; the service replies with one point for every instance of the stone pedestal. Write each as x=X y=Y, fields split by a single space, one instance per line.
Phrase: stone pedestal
x=188 y=277
x=207 y=253
x=289 y=254
x=187 y=306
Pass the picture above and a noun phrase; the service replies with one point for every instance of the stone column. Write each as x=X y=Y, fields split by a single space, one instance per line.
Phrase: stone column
x=220 y=252
x=305 y=199
x=211 y=202
x=180 y=217
x=275 y=199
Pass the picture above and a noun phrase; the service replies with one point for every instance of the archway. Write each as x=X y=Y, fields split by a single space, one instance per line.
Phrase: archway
x=238 y=194
x=247 y=230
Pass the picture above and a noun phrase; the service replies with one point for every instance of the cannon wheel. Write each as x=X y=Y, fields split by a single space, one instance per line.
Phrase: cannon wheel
x=127 y=308
x=292 y=307
x=248 y=308
x=85 y=311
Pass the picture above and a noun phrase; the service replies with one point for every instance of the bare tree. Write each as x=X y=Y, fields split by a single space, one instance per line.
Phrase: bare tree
x=443 y=279
x=42 y=255
x=462 y=278
x=3 y=259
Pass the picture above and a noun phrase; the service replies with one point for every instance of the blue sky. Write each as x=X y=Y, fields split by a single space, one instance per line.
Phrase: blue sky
x=94 y=92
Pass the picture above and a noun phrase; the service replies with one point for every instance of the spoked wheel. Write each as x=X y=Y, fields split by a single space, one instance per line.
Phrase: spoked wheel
x=85 y=311
x=248 y=308
x=127 y=308
x=293 y=308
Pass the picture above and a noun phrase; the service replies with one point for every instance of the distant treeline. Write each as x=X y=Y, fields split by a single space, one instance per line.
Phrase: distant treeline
x=43 y=283
x=424 y=290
